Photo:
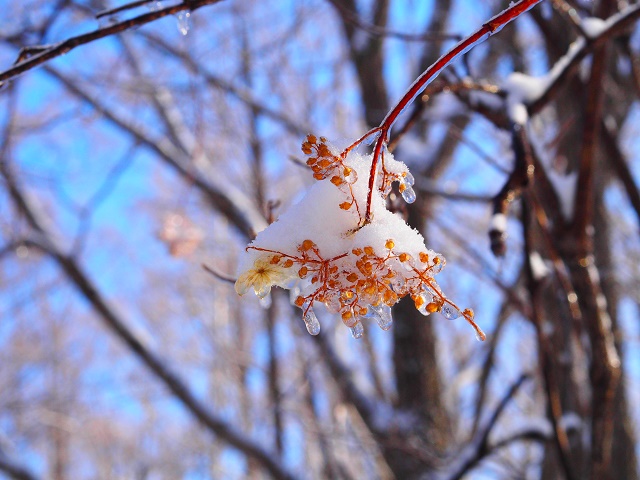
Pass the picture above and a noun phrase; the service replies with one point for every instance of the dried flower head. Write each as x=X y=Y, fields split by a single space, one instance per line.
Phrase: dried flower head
x=324 y=251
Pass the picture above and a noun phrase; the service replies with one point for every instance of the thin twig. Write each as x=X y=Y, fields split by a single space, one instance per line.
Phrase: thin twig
x=219 y=275
x=122 y=8
x=69 y=44
x=485 y=31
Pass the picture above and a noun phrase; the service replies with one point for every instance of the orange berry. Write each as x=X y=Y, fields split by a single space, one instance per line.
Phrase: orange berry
x=352 y=277
x=357 y=251
x=419 y=301
x=303 y=271
x=369 y=250
x=318 y=176
x=299 y=301
x=337 y=181
x=432 y=307
x=389 y=245
x=275 y=259
x=468 y=313
x=402 y=187
x=288 y=263
x=345 y=206
x=403 y=257
x=311 y=138
x=306 y=245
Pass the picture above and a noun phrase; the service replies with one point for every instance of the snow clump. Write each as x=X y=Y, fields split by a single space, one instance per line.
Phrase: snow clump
x=325 y=252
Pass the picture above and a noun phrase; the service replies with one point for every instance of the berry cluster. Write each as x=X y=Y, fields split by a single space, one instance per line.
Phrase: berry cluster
x=324 y=253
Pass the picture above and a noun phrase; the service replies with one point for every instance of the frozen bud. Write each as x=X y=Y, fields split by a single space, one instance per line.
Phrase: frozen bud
x=311 y=322
x=350 y=175
x=348 y=318
x=438 y=264
x=332 y=302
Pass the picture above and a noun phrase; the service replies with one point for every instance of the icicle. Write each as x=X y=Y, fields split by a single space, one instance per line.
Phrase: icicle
x=311 y=322
x=409 y=195
x=184 y=22
x=382 y=314
x=264 y=291
x=265 y=302
x=408 y=179
x=357 y=330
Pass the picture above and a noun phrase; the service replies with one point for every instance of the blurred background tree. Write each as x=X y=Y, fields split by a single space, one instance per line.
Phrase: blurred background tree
x=135 y=158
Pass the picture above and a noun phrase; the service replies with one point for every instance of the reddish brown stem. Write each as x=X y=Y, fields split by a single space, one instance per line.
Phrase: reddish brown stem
x=485 y=31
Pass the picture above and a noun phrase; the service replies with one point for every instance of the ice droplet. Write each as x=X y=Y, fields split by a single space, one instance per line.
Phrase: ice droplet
x=409 y=194
x=450 y=312
x=311 y=322
x=382 y=314
x=265 y=302
x=184 y=22
x=264 y=291
x=155 y=6
x=332 y=302
x=408 y=179
x=357 y=330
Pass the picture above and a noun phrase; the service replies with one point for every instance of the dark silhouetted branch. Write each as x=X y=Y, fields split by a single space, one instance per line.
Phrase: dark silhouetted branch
x=33 y=56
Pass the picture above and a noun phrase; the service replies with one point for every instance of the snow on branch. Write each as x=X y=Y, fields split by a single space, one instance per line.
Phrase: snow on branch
x=341 y=246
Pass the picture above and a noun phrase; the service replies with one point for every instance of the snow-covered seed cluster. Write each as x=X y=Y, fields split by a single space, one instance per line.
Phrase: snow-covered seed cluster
x=323 y=251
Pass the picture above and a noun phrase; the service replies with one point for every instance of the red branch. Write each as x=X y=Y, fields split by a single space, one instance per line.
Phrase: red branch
x=488 y=29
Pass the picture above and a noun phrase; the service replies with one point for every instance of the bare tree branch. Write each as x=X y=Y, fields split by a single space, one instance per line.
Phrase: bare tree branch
x=153 y=362
x=14 y=470
x=31 y=57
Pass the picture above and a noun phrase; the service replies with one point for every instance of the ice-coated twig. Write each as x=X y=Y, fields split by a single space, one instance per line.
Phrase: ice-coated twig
x=42 y=55
x=488 y=29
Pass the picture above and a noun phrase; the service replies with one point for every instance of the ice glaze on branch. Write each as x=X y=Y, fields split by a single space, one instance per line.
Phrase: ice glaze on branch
x=488 y=29
x=33 y=56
